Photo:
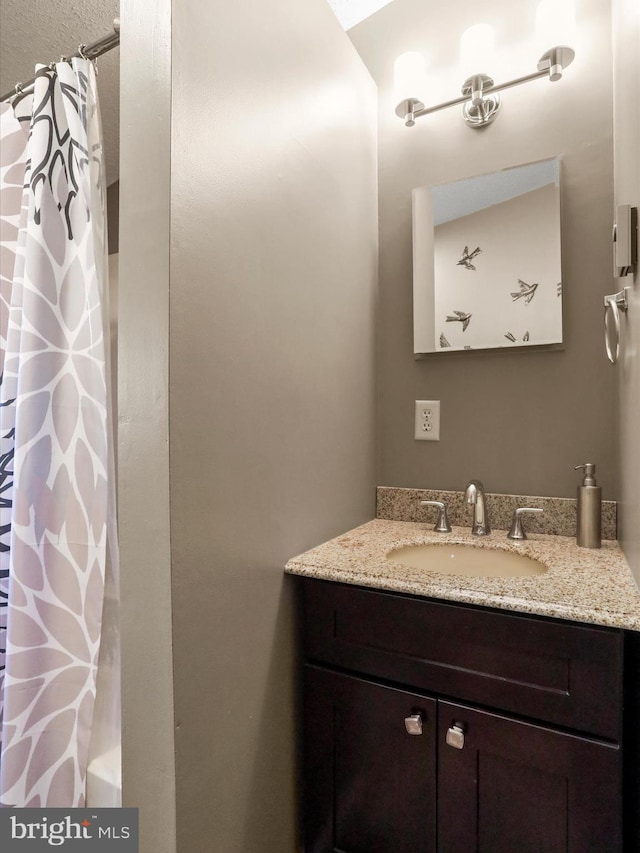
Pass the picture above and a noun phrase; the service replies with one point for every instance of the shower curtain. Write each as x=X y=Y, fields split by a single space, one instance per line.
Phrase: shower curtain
x=57 y=497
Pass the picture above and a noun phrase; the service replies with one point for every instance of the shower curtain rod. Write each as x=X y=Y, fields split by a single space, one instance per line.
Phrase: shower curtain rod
x=86 y=51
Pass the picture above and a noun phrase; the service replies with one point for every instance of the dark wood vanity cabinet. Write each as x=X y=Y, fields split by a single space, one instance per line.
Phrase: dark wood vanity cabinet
x=432 y=726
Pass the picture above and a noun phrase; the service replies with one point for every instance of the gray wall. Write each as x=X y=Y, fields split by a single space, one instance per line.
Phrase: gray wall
x=626 y=41
x=272 y=390
x=520 y=422
x=143 y=482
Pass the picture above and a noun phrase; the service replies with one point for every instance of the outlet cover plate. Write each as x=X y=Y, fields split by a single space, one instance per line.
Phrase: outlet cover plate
x=427 y=420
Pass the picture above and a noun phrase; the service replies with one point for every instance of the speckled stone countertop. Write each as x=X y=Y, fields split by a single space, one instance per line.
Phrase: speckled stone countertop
x=584 y=585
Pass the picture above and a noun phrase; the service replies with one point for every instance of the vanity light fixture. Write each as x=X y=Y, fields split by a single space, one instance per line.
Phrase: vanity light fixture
x=480 y=99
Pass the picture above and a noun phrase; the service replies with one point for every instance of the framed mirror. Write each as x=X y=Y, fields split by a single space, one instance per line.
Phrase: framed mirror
x=487 y=262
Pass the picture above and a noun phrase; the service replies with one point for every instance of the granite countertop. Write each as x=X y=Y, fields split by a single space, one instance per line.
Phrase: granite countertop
x=585 y=585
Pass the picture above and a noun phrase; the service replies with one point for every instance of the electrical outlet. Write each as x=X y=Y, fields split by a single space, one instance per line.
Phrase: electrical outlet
x=427 y=420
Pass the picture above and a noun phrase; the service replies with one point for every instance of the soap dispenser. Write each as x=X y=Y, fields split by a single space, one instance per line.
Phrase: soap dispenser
x=588 y=531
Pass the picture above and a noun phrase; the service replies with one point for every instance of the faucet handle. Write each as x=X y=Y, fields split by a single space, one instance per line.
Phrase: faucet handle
x=442 y=524
x=517 y=530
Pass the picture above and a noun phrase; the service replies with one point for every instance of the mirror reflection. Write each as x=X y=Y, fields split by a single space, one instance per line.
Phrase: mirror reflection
x=487 y=263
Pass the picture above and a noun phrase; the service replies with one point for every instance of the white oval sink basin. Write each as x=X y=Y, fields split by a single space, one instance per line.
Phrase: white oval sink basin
x=466 y=560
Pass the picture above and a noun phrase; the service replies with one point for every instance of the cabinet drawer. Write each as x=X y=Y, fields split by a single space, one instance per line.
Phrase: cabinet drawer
x=562 y=673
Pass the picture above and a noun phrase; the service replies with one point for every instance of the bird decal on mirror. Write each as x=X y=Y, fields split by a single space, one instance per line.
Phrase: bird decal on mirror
x=528 y=291
x=460 y=317
x=467 y=257
x=443 y=341
x=511 y=337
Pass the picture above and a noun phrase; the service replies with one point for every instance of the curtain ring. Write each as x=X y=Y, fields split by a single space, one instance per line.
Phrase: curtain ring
x=18 y=88
x=82 y=51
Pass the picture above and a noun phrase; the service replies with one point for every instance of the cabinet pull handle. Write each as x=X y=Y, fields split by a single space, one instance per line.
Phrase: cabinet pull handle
x=455 y=736
x=413 y=724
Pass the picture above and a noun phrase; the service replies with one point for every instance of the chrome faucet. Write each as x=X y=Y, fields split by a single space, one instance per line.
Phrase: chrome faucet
x=475 y=495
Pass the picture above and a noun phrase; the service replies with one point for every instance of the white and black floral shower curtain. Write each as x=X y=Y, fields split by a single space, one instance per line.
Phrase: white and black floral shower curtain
x=57 y=504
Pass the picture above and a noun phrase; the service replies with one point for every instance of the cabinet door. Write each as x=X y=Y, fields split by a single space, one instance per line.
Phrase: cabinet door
x=515 y=786
x=370 y=785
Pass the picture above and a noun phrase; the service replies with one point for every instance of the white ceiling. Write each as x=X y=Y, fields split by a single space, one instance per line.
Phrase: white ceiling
x=351 y=12
x=42 y=30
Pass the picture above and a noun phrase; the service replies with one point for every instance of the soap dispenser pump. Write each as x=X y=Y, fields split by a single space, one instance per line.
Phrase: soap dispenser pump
x=588 y=530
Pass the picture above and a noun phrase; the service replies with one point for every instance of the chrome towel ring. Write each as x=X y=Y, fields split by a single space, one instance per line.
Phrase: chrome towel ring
x=614 y=303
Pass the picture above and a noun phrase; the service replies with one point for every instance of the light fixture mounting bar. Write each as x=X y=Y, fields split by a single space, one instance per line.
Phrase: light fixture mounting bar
x=482 y=110
x=497 y=87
